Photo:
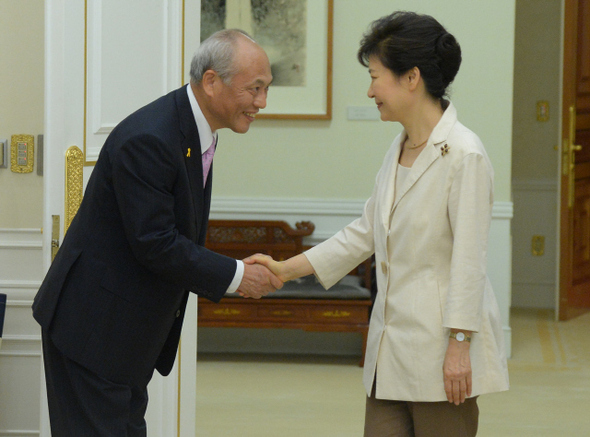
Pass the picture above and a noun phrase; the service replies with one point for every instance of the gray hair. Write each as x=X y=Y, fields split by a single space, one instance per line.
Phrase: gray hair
x=217 y=53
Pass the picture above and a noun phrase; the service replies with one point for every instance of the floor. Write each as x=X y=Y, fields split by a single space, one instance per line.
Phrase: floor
x=298 y=396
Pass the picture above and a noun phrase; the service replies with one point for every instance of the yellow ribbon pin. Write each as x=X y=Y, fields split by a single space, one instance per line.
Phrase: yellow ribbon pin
x=188 y=155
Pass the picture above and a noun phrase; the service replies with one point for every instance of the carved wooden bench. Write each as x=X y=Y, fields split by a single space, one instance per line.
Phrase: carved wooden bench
x=300 y=304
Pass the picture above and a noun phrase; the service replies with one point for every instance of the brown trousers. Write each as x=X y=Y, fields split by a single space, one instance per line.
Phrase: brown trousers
x=385 y=418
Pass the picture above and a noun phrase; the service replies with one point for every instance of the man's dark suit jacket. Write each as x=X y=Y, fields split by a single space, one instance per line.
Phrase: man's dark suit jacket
x=114 y=298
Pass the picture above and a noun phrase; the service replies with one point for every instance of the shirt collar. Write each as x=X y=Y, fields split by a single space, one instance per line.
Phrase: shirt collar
x=205 y=134
x=445 y=124
x=442 y=129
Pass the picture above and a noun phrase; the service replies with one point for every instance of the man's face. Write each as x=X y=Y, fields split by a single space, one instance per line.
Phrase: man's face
x=237 y=102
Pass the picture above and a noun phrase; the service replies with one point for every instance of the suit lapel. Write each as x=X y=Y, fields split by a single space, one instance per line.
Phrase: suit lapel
x=191 y=150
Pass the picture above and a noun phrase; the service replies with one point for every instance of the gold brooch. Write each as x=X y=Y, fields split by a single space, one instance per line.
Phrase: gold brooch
x=444 y=150
x=188 y=155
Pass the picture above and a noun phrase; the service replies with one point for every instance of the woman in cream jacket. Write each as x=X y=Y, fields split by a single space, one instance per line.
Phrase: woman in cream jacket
x=435 y=337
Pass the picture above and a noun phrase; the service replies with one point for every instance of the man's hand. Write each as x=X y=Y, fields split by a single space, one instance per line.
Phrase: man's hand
x=258 y=281
x=293 y=268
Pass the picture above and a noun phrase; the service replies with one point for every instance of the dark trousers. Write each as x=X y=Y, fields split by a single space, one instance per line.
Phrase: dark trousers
x=385 y=418
x=83 y=404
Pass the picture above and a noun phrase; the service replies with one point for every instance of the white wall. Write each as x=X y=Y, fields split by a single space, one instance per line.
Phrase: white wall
x=535 y=213
x=338 y=159
x=21 y=106
x=20 y=356
x=535 y=158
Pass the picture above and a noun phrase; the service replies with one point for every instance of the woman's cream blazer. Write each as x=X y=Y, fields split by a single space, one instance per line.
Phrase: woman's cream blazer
x=430 y=248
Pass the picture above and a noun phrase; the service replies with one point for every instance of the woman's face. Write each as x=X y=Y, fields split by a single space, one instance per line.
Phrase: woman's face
x=387 y=90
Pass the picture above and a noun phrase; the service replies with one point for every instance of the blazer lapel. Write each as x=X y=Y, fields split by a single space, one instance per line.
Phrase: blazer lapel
x=424 y=160
x=432 y=151
x=389 y=193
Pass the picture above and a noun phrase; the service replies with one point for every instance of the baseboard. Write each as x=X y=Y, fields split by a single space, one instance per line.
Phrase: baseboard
x=278 y=341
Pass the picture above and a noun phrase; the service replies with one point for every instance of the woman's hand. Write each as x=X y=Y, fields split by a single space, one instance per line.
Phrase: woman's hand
x=457 y=371
x=278 y=268
x=293 y=268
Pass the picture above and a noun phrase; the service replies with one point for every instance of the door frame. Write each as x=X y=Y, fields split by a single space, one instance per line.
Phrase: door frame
x=564 y=310
x=565 y=217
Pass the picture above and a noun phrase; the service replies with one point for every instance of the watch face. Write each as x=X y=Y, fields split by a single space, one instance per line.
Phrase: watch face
x=460 y=336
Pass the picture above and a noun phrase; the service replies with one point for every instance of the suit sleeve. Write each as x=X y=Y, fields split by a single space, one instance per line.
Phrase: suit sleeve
x=145 y=180
x=340 y=254
x=470 y=208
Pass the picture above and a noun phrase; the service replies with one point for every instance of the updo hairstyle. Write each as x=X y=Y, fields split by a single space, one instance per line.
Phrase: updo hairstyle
x=404 y=40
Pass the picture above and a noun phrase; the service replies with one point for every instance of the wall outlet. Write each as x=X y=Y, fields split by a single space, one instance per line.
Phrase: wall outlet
x=542 y=110
x=22 y=152
x=538 y=245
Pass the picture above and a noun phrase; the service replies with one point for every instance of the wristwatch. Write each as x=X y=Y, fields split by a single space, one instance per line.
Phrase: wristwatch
x=460 y=336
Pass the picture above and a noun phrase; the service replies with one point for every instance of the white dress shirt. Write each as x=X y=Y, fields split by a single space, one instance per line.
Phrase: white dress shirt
x=206 y=135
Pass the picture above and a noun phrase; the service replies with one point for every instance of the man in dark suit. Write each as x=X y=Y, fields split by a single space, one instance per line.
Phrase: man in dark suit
x=112 y=304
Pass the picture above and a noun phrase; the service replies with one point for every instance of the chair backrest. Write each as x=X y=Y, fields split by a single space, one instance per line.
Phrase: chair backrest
x=242 y=238
x=2 y=311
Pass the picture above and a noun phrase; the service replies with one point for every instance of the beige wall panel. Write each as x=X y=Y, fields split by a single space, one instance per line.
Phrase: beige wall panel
x=20 y=415
x=21 y=106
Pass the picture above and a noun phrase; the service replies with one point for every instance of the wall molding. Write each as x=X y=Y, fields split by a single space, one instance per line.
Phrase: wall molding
x=267 y=205
x=20 y=276
x=254 y=209
x=21 y=346
x=20 y=284
x=503 y=210
x=19 y=433
x=328 y=215
x=21 y=238
x=301 y=206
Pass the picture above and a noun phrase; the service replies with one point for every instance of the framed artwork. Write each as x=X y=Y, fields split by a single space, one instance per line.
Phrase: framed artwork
x=297 y=36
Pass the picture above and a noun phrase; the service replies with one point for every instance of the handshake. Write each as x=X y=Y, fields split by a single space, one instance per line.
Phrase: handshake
x=263 y=275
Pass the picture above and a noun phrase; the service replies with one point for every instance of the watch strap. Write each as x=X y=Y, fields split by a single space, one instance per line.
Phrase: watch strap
x=465 y=336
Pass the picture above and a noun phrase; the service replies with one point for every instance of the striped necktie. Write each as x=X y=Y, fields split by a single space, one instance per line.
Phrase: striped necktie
x=208 y=160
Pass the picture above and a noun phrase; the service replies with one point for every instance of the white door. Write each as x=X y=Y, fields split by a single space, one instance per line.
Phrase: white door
x=103 y=60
